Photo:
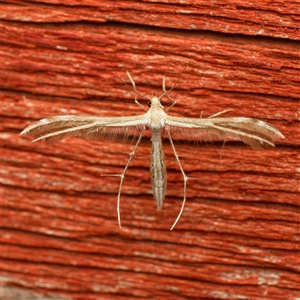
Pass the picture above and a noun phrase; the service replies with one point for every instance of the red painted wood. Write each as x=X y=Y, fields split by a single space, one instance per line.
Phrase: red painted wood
x=238 y=237
x=257 y=18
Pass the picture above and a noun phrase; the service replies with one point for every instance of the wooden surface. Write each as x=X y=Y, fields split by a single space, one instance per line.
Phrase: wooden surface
x=238 y=237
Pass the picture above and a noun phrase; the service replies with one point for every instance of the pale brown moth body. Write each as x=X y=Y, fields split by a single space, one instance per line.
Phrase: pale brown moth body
x=253 y=132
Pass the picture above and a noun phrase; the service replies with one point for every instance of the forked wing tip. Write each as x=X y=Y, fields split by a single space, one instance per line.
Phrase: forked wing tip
x=35 y=140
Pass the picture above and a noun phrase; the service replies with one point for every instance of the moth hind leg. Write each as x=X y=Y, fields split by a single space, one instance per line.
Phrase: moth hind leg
x=122 y=175
x=185 y=179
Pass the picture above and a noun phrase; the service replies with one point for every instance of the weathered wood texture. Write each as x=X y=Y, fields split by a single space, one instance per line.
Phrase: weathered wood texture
x=238 y=237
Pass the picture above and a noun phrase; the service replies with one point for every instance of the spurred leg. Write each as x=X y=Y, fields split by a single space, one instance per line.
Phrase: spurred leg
x=185 y=179
x=122 y=175
x=219 y=113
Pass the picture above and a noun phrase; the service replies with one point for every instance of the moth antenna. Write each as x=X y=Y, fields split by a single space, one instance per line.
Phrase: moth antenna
x=174 y=84
x=164 y=89
x=133 y=89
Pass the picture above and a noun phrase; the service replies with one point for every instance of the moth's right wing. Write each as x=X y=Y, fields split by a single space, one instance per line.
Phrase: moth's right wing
x=256 y=133
x=54 y=129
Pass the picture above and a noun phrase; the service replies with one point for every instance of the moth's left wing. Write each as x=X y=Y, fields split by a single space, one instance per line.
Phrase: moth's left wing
x=54 y=129
x=256 y=133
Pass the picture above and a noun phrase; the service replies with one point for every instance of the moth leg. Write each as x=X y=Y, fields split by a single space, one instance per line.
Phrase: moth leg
x=185 y=179
x=135 y=92
x=219 y=113
x=122 y=175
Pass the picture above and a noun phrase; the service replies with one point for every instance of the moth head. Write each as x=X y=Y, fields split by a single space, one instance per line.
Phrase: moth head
x=155 y=101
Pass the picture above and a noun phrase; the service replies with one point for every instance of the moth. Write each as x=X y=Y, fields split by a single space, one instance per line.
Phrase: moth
x=254 y=132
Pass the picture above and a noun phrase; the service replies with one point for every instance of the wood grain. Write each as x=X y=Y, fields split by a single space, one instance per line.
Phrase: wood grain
x=238 y=237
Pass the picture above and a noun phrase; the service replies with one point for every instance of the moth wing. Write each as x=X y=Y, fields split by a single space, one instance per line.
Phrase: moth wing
x=54 y=129
x=254 y=132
